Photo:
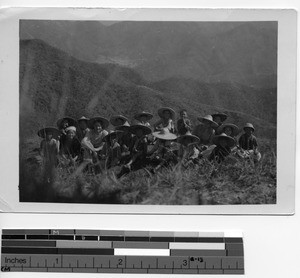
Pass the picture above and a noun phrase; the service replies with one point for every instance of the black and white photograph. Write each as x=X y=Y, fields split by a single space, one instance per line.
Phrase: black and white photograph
x=148 y=110
x=144 y=112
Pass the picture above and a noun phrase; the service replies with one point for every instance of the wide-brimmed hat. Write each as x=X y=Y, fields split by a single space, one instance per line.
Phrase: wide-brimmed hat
x=42 y=132
x=208 y=119
x=235 y=129
x=148 y=115
x=193 y=138
x=249 y=126
x=146 y=130
x=123 y=127
x=83 y=119
x=113 y=120
x=222 y=116
x=104 y=122
x=164 y=134
x=161 y=111
x=229 y=139
x=71 y=122
x=112 y=135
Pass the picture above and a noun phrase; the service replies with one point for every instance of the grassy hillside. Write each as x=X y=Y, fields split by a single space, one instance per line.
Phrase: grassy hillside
x=54 y=84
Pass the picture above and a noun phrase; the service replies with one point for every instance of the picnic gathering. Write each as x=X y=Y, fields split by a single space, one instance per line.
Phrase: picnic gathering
x=139 y=144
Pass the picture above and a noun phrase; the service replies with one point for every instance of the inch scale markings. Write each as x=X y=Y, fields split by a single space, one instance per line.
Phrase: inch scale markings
x=121 y=252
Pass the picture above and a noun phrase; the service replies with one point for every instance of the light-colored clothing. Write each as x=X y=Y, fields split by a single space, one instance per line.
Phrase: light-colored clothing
x=169 y=124
x=93 y=142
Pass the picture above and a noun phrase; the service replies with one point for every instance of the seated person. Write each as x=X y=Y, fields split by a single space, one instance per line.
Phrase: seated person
x=223 y=143
x=167 y=116
x=184 y=124
x=143 y=118
x=118 y=120
x=205 y=131
x=112 y=149
x=248 y=141
x=93 y=140
x=138 y=150
x=65 y=122
x=82 y=127
x=70 y=147
x=219 y=118
x=188 y=152
x=126 y=139
x=229 y=129
x=162 y=154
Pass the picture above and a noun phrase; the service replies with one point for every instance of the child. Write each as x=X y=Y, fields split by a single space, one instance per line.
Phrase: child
x=83 y=127
x=223 y=143
x=248 y=142
x=167 y=116
x=118 y=120
x=93 y=140
x=70 y=147
x=205 y=131
x=49 y=149
x=219 y=118
x=143 y=118
x=183 y=124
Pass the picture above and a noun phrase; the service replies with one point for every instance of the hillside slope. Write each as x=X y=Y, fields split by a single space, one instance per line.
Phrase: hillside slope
x=54 y=84
x=243 y=52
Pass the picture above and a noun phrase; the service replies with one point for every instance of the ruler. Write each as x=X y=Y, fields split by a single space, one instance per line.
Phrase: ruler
x=104 y=251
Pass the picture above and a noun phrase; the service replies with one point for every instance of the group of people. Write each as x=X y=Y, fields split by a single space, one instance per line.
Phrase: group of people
x=136 y=146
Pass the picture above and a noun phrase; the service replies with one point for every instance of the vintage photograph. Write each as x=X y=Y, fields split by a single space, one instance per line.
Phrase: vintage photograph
x=148 y=112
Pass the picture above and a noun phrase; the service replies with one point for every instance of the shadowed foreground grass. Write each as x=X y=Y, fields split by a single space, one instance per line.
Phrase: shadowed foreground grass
x=235 y=181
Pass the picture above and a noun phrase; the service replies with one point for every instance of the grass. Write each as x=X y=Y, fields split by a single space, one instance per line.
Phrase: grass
x=235 y=181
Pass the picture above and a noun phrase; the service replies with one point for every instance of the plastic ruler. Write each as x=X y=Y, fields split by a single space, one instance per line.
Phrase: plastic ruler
x=103 y=251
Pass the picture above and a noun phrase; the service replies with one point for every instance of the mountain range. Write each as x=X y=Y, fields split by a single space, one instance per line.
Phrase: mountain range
x=210 y=52
x=54 y=84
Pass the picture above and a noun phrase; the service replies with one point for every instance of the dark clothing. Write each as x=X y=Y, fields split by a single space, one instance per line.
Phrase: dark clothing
x=248 y=142
x=184 y=126
x=219 y=153
x=70 y=147
x=204 y=133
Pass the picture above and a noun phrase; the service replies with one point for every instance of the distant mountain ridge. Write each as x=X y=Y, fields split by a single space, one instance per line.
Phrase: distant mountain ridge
x=54 y=84
x=242 y=52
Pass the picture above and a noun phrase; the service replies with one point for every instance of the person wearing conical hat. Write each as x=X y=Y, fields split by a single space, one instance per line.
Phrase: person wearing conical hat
x=118 y=120
x=64 y=122
x=167 y=117
x=248 y=141
x=93 y=140
x=49 y=149
x=126 y=139
x=188 y=152
x=138 y=151
x=163 y=152
x=112 y=149
x=82 y=127
x=205 y=131
x=70 y=147
x=184 y=124
x=219 y=118
x=229 y=129
x=143 y=118
x=223 y=143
